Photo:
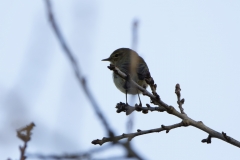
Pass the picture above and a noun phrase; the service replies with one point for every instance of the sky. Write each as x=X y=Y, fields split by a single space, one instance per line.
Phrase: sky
x=193 y=43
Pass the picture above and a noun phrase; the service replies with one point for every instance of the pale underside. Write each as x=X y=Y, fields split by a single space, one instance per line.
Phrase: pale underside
x=119 y=83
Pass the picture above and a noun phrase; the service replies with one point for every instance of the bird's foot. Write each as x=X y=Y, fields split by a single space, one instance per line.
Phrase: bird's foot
x=138 y=107
x=140 y=104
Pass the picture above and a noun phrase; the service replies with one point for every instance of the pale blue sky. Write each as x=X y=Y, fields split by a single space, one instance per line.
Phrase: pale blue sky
x=194 y=43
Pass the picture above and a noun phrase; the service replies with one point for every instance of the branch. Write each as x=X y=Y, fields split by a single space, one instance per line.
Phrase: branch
x=135 y=34
x=139 y=132
x=74 y=63
x=85 y=155
x=180 y=101
x=25 y=135
x=171 y=110
x=122 y=107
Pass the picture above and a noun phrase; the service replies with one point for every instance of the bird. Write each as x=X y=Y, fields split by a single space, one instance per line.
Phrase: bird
x=134 y=66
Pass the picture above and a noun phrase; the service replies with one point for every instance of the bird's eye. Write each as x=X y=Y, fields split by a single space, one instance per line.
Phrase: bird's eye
x=116 y=55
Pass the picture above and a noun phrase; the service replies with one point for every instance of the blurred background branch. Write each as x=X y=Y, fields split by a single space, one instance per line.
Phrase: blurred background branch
x=86 y=155
x=81 y=79
x=74 y=63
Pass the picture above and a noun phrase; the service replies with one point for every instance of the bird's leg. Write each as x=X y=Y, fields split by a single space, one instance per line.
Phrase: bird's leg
x=140 y=103
x=126 y=97
x=126 y=86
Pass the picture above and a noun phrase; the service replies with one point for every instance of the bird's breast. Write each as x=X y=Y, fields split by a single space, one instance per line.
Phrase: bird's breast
x=120 y=83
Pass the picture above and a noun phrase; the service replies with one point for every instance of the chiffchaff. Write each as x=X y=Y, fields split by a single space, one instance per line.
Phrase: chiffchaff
x=129 y=62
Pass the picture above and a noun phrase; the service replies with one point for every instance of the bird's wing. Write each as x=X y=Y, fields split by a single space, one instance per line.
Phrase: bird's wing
x=125 y=67
x=142 y=69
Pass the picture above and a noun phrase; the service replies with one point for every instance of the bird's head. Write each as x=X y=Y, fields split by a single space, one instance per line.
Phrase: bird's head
x=119 y=55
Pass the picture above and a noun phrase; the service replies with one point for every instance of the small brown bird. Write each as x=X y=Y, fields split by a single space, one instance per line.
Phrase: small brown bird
x=129 y=62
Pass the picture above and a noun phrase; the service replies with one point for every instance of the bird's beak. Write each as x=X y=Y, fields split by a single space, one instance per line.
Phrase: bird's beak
x=107 y=59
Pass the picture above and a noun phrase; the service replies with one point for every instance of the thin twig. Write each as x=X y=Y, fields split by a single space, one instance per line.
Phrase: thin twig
x=76 y=67
x=122 y=107
x=179 y=100
x=25 y=135
x=135 y=25
x=84 y=155
x=139 y=132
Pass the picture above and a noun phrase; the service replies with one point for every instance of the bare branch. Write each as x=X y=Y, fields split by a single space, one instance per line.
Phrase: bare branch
x=180 y=101
x=25 y=135
x=171 y=110
x=139 y=132
x=76 y=67
x=135 y=25
x=84 y=155
x=122 y=107
x=64 y=156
